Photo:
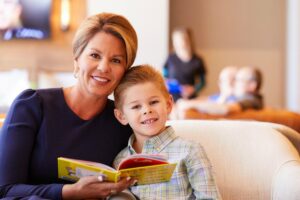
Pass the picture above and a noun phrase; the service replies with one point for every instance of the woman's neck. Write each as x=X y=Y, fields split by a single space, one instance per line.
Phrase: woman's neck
x=185 y=57
x=85 y=106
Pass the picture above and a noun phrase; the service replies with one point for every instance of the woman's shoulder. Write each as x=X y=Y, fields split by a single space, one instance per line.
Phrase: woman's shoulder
x=173 y=56
x=38 y=94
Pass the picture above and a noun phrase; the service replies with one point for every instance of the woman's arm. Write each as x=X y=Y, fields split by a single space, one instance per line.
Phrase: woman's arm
x=201 y=83
x=17 y=139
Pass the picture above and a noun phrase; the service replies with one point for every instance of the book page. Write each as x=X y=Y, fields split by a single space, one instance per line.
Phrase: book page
x=140 y=160
x=73 y=170
x=150 y=174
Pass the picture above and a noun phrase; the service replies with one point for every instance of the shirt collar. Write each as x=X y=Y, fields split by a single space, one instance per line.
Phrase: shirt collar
x=156 y=143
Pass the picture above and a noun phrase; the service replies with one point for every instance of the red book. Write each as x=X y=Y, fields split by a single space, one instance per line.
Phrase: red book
x=142 y=160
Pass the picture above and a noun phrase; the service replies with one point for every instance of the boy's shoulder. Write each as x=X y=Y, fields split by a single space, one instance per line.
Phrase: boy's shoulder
x=182 y=142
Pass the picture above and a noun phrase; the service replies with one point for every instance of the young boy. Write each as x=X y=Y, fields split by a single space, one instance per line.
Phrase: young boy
x=142 y=101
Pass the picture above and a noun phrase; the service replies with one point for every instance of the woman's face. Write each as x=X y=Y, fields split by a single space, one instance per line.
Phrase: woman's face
x=101 y=65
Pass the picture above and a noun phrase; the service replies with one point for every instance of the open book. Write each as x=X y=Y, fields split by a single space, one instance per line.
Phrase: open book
x=145 y=168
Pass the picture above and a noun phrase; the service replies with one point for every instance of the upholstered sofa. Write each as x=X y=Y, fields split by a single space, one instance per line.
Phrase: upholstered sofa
x=279 y=116
x=251 y=160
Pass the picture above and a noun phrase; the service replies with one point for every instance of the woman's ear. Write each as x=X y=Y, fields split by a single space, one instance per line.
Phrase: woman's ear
x=76 y=69
x=120 y=116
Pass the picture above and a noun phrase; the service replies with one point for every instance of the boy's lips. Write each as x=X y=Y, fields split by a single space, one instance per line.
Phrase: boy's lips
x=149 y=121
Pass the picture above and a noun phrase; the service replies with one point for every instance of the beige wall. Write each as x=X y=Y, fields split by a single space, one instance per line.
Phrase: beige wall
x=238 y=32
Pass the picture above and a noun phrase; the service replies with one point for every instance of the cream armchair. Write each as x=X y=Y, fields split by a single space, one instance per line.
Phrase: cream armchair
x=251 y=160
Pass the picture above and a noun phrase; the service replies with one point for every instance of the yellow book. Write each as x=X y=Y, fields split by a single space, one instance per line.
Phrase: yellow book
x=145 y=168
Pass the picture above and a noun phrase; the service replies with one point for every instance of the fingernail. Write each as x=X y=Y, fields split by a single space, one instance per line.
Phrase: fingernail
x=134 y=183
x=128 y=178
x=100 y=178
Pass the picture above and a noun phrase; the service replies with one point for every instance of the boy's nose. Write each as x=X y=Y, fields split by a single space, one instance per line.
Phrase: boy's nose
x=147 y=110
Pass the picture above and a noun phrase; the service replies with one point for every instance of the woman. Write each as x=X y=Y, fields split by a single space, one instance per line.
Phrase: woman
x=184 y=70
x=76 y=122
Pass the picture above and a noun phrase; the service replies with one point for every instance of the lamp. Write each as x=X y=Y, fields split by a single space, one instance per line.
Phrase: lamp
x=65 y=15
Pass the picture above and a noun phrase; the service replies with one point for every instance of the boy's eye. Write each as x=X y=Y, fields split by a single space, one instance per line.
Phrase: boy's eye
x=135 y=107
x=95 y=55
x=154 y=102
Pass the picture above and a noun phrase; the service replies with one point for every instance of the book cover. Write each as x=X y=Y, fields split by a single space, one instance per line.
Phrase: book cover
x=145 y=168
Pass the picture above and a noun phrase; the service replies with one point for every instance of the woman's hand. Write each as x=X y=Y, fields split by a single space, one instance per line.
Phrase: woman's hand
x=93 y=187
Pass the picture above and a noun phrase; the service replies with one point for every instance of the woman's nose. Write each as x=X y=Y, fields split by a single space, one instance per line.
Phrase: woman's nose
x=103 y=66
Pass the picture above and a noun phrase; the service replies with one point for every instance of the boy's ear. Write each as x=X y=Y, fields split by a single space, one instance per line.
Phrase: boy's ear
x=170 y=103
x=120 y=117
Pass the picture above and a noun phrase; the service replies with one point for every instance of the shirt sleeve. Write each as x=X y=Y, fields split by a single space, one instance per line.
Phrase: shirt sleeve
x=123 y=154
x=17 y=139
x=200 y=174
x=201 y=83
x=165 y=70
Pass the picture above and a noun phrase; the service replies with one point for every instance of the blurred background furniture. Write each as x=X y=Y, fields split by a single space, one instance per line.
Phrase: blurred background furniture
x=279 y=116
x=2 y=116
x=251 y=160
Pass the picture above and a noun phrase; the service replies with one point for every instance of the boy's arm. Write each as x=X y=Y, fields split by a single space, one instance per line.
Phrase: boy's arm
x=200 y=174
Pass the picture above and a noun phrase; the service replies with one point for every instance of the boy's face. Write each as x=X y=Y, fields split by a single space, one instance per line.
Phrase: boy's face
x=146 y=110
x=244 y=83
x=226 y=81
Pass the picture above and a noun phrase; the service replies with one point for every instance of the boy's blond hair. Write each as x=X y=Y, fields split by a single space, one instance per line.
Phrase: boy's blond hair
x=137 y=75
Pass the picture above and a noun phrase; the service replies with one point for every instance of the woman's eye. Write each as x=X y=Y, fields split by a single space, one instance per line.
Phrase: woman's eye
x=115 y=60
x=94 y=55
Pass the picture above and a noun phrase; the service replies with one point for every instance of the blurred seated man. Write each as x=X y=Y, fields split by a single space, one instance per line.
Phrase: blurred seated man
x=246 y=95
x=226 y=86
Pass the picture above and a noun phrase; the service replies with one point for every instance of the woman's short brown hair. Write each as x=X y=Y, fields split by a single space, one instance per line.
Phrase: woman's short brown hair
x=137 y=75
x=114 y=24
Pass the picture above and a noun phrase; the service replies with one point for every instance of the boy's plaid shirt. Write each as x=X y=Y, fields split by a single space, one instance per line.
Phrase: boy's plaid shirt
x=192 y=178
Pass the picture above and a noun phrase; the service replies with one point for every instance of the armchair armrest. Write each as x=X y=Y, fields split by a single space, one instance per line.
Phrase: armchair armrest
x=287 y=181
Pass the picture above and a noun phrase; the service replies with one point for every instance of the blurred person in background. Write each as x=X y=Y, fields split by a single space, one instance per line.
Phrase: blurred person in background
x=226 y=86
x=245 y=94
x=184 y=71
x=11 y=25
x=10 y=12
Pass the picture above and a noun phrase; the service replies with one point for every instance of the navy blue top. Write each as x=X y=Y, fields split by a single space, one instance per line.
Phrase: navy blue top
x=184 y=72
x=40 y=127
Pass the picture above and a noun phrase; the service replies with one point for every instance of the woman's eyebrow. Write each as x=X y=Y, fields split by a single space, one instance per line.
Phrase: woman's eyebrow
x=116 y=55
